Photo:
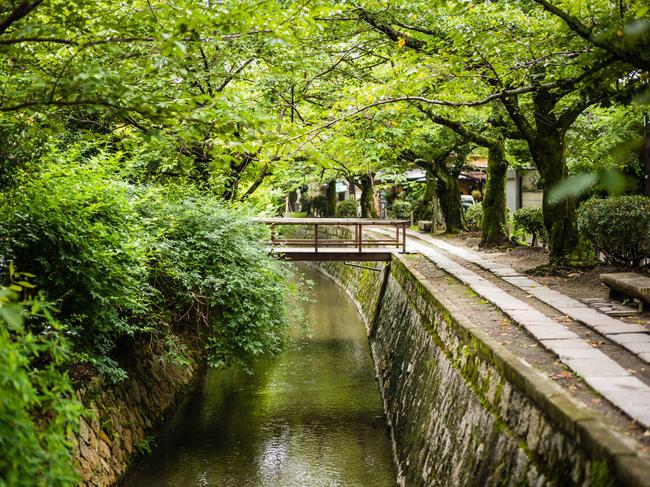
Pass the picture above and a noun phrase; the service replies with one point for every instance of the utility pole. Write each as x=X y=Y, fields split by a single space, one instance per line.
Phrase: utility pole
x=646 y=152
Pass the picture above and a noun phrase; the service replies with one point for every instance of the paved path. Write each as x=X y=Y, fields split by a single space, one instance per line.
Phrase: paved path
x=602 y=373
x=632 y=337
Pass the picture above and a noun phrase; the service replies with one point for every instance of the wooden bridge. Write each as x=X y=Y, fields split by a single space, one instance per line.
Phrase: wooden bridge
x=321 y=246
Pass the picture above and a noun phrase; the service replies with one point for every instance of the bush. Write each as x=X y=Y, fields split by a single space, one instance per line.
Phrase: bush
x=618 y=226
x=121 y=261
x=317 y=206
x=38 y=406
x=347 y=209
x=401 y=210
x=74 y=227
x=212 y=269
x=474 y=216
x=477 y=195
x=529 y=221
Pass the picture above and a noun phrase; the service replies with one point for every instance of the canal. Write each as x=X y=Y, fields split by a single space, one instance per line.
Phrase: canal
x=310 y=417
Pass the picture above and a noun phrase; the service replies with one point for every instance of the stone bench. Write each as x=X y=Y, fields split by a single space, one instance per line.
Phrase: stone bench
x=424 y=225
x=628 y=284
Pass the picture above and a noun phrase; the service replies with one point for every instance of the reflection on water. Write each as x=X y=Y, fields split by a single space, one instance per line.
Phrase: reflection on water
x=311 y=417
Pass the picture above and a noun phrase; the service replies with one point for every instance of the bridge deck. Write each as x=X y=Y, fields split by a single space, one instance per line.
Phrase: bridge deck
x=317 y=248
x=332 y=254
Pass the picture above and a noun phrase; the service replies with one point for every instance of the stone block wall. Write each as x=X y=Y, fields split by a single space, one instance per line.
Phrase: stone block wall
x=121 y=417
x=463 y=410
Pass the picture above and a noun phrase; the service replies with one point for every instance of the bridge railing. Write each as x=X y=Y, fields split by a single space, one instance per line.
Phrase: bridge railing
x=357 y=241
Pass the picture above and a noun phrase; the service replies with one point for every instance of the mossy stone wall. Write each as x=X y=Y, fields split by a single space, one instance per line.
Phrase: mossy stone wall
x=464 y=411
x=122 y=417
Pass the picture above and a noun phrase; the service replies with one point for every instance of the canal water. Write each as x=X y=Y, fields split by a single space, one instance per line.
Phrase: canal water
x=310 y=417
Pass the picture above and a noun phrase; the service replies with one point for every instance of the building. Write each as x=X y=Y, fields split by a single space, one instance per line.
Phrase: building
x=523 y=189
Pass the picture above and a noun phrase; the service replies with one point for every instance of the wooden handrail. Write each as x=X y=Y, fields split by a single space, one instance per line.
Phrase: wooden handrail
x=317 y=242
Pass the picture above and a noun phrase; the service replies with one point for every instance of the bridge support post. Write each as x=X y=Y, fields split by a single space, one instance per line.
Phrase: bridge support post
x=359 y=232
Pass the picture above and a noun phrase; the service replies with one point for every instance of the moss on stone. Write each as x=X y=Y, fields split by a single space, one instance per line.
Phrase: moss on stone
x=601 y=475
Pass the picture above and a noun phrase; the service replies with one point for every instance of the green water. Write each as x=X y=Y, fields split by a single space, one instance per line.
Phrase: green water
x=311 y=417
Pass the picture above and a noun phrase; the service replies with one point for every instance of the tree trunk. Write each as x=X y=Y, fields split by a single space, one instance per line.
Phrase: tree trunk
x=494 y=228
x=293 y=201
x=646 y=153
x=331 y=199
x=368 y=204
x=449 y=195
x=559 y=218
x=231 y=185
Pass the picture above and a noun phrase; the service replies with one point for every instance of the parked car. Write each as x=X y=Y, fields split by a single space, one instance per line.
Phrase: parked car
x=466 y=200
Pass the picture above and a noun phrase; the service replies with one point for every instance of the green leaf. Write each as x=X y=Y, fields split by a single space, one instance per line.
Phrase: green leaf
x=12 y=314
x=571 y=187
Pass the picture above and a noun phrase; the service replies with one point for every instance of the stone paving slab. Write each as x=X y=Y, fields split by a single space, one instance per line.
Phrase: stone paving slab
x=578 y=353
x=602 y=373
x=622 y=385
x=548 y=332
x=602 y=366
x=638 y=346
x=531 y=317
x=567 y=344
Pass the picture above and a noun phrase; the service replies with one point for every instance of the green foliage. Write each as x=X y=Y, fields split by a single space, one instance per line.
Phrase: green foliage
x=317 y=205
x=618 y=226
x=529 y=221
x=121 y=260
x=210 y=267
x=38 y=408
x=474 y=216
x=347 y=209
x=401 y=210
x=74 y=227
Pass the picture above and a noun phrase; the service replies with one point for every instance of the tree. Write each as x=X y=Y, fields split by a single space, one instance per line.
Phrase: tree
x=543 y=87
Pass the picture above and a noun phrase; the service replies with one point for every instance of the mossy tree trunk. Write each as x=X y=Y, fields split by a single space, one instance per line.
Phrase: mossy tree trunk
x=426 y=205
x=494 y=228
x=331 y=199
x=449 y=195
x=560 y=218
x=546 y=141
x=494 y=225
x=293 y=201
x=368 y=204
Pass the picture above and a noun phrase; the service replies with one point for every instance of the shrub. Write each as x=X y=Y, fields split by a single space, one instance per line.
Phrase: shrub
x=121 y=261
x=211 y=267
x=477 y=195
x=401 y=210
x=347 y=209
x=318 y=205
x=618 y=226
x=38 y=406
x=74 y=227
x=474 y=216
x=529 y=221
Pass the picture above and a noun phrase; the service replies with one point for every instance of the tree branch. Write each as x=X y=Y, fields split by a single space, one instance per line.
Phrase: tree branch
x=393 y=34
x=459 y=128
x=258 y=181
x=524 y=126
x=633 y=57
x=22 y=10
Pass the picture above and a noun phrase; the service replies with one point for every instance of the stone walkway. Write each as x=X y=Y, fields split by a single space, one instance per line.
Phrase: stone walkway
x=599 y=371
x=632 y=337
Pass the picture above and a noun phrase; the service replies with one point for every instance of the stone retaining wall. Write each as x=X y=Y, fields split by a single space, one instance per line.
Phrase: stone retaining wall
x=465 y=411
x=122 y=417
